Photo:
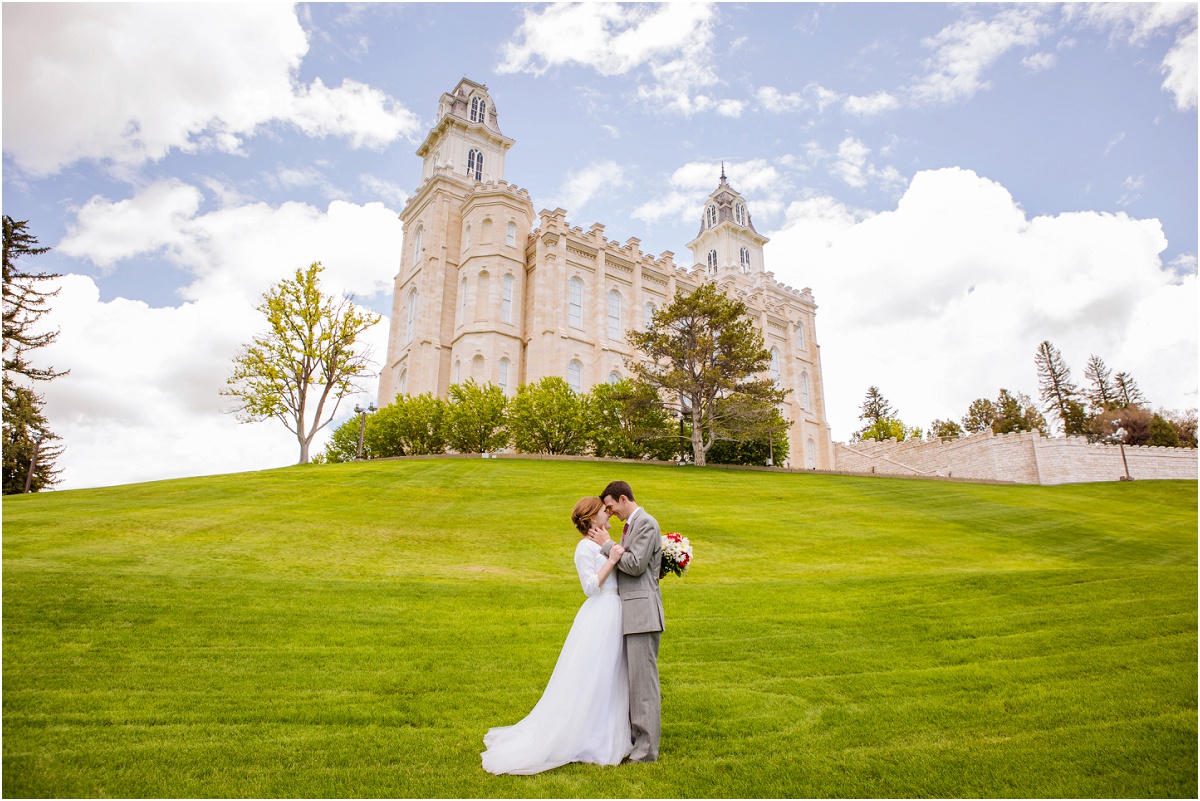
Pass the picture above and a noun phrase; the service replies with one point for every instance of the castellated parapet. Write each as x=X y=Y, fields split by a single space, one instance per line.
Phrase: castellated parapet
x=1024 y=457
x=487 y=289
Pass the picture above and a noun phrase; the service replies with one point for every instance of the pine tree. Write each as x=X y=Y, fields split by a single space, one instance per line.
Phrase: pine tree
x=1060 y=396
x=1102 y=394
x=875 y=407
x=26 y=430
x=1127 y=391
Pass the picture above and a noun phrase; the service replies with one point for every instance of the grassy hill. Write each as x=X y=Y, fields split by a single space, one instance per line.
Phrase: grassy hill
x=353 y=630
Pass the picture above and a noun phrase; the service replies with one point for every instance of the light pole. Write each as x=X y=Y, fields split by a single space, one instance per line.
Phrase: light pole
x=770 y=450
x=362 y=425
x=1119 y=434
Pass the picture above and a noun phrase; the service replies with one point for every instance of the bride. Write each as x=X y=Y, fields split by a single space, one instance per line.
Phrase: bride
x=583 y=716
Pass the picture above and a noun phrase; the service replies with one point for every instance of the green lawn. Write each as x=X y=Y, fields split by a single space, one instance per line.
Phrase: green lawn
x=353 y=630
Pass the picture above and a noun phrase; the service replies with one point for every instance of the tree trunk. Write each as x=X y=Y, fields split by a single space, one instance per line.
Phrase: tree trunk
x=697 y=439
x=303 y=450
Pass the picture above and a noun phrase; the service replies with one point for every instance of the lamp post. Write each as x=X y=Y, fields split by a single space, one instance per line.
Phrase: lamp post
x=362 y=425
x=1119 y=434
x=770 y=450
x=37 y=443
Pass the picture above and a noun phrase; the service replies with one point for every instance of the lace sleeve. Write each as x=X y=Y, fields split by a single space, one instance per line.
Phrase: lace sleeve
x=585 y=565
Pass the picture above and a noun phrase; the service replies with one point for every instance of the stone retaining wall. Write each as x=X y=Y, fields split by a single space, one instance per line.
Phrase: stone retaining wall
x=1024 y=458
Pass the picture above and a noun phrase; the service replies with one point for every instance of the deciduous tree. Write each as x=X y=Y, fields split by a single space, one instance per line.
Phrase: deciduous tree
x=549 y=417
x=701 y=351
x=306 y=360
x=945 y=429
x=627 y=420
x=476 y=418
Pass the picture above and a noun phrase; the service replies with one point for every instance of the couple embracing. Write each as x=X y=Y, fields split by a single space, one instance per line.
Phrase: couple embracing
x=602 y=702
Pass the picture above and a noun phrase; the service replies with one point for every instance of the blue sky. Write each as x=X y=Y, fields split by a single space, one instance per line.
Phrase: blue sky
x=956 y=183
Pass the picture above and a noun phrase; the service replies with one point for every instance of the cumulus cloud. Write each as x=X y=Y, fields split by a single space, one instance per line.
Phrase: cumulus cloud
x=671 y=42
x=240 y=248
x=149 y=378
x=1039 y=61
x=871 y=105
x=944 y=299
x=851 y=166
x=127 y=83
x=142 y=399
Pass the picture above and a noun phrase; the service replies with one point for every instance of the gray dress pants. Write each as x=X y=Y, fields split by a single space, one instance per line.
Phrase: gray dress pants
x=645 y=701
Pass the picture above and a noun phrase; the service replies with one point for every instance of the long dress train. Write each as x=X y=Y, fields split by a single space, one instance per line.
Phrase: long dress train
x=583 y=715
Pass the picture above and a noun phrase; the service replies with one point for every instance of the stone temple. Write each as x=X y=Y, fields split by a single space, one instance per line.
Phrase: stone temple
x=490 y=290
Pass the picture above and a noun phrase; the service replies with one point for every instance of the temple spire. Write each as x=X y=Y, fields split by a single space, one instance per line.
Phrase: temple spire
x=723 y=182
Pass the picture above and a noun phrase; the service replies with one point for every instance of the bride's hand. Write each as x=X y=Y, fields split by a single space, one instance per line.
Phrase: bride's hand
x=615 y=554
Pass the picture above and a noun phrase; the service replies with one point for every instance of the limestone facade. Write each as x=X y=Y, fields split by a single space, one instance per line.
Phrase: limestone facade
x=489 y=290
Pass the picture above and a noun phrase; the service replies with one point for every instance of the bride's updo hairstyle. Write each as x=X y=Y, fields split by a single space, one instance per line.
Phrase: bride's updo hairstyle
x=584 y=512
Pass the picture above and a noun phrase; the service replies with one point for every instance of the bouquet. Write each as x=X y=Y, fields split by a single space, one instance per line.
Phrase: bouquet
x=676 y=554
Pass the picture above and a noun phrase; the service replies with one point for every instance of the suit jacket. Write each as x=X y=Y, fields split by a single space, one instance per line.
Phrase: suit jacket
x=637 y=576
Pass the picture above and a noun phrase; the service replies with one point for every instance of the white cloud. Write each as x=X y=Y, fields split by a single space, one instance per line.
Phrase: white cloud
x=871 y=105
x=672 y=41
x=240 y=248
x=1180 y=68
x=1039 y=61
x=852 y=167
x=389 y=191
x=1137 y=23
x=127 y=83
x=943 y=299
x=149 y=378
x=596 y=179
x=142 y=399
x=776 y=102
x=967 y=49
x=758 y=180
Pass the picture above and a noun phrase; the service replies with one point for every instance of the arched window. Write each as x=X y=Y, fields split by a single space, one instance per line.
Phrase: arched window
x=614 y=314
x=482 y=296
x=478 y=109
x=739 y=214
x=467 y=238
x=403 y=381
x=804 y=391
x=417 y=237
x=475 y=164
x=712 y=261
x=412 y=315
x=477 y=369
x=486 y=237
x=462 y=302
x=744 y=257
x=502 y=380
x=614 y=377
x=575 y=303
x=810 y=454
x=506 y=299
x=710 y=214
x=775 y=365
x=510 y=235
x=575 y=375
x=800 y=334
x=650 y=309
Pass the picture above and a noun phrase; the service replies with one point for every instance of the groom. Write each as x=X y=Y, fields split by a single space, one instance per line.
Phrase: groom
x=642 y=614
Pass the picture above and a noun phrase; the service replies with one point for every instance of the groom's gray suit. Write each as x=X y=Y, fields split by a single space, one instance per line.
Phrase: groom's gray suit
x=642 y=619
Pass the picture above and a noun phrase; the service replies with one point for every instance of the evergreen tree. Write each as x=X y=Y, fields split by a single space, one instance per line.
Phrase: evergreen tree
x=1128 y=393
x=980 y=416
x=703 y=354
x=1059 y=394
x=26 y=430
x=875 y=407
x=1102 y=394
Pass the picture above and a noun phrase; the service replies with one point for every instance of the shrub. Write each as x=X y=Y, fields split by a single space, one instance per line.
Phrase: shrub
x=476 y=418
x=548 y=417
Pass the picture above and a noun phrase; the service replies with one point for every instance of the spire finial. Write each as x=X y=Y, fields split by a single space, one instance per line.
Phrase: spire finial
x=722 y=171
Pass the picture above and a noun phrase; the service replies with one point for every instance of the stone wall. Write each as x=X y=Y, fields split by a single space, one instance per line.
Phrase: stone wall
x=1023 y=458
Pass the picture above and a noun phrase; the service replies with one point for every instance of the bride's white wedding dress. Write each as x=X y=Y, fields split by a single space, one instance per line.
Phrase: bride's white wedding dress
x=583 y=716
